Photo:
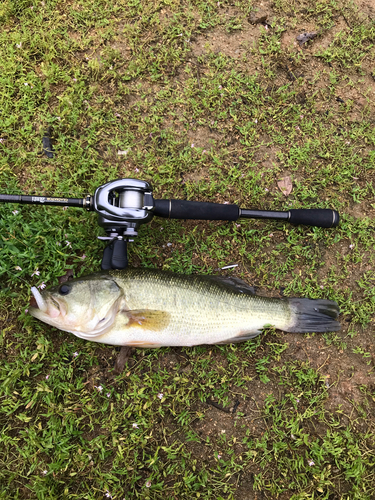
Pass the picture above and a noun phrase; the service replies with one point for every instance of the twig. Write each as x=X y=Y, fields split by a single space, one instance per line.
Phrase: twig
x=324 y=363
x=216 y=405
x=198 y=76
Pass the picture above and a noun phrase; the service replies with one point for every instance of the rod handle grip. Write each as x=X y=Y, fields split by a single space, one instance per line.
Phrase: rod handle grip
x=319 y=217
x=184 y=209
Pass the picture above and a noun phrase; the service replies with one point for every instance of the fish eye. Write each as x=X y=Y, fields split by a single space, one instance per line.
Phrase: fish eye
x=64 y=289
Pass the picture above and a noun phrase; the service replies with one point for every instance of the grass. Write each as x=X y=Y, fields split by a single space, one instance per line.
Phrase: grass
x=294 y=415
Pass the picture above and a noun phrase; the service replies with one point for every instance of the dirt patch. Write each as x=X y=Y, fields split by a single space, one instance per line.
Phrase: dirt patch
x=234 y=45
x=203 y=137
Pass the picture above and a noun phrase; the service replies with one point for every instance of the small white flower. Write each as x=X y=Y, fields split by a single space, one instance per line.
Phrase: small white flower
x=148 y=484
x=136 y=169
x=44 y=472
x=266 y=190
x=15 y=212
x=26 y=84
x=83 y=257
x=74 y=79
x=311 y=463
x=192 y=145
x=204 y=151
x=1 y=140
x=297 y=400
x=26 y=311
x=108 y=495
x=58 y=118
x=117 y=115
x=75 y=354
x=42 y=286
x=220 y=87
x=255 y=121
x=47 y=377
x=351 y=246
x=108 y=394
x=219 y=456
x=99 y=387
x=58 y=243
x=36 y=272
x=169 y=244
x=68 y=244
x=160 y=395
x=19 y=45
x=135 y=426
x=65 y=208
x=18 y=268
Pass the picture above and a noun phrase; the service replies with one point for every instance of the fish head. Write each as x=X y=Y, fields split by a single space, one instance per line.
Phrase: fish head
x=85 y=306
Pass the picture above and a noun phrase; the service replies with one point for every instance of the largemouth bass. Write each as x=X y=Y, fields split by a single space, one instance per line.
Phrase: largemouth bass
x=152 y=308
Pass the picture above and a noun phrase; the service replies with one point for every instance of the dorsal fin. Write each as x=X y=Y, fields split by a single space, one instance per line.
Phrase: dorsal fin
x=233 y=283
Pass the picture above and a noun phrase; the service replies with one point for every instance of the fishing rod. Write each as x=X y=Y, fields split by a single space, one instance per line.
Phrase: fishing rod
x=123 y=205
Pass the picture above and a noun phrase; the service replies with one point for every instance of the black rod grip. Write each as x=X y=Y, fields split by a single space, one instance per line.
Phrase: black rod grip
x=182 y=209
x=263 y=214
x=319 y=217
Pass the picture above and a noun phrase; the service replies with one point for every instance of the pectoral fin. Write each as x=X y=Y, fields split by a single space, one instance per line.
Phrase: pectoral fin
x=147 y=319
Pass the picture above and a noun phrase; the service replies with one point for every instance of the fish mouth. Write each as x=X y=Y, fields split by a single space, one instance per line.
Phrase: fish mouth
x=37 y=300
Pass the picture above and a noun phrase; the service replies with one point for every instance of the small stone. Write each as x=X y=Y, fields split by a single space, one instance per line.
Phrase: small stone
x=258 y=17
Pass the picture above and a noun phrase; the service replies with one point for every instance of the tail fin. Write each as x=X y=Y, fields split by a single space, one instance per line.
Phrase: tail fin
x=314 y=315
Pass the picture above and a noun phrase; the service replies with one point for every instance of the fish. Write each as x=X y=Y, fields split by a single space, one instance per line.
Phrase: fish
x=152 y=308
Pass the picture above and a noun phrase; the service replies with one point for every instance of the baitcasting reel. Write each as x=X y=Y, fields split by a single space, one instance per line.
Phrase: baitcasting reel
x=125 y=204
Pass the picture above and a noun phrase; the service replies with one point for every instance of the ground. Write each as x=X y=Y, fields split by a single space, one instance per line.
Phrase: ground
x=209 y=101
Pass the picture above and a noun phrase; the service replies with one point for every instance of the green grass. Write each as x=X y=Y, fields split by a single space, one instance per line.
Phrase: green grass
x=201 y=123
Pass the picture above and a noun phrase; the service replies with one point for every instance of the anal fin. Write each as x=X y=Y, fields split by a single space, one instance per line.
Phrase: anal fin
x=241 y=337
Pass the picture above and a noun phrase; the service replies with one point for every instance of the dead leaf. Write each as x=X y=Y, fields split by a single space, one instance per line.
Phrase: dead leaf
x=122 y=358
x=67 y=276
x=305 y=37
x=285 y=185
